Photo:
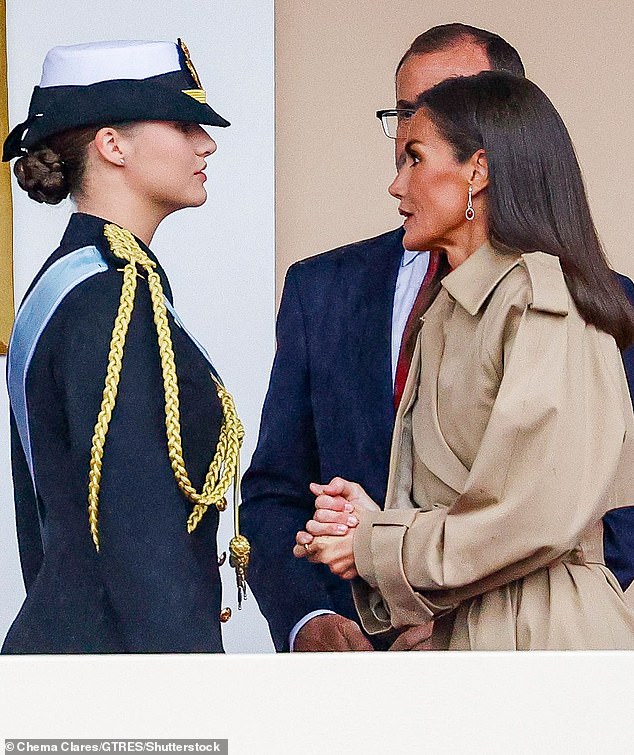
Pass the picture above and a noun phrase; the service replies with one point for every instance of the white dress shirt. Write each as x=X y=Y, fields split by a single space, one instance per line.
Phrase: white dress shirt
x=410 y=276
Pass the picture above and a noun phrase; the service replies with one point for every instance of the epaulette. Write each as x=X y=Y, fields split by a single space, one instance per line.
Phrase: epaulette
x=550 y=293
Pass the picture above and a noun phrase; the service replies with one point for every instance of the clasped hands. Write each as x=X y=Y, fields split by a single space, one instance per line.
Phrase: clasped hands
x=329 y=535
x=329 y=539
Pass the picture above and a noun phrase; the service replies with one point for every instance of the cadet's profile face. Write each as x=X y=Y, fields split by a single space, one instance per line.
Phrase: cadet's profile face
x=432 y=187
x=165 y=163
x=421 y=72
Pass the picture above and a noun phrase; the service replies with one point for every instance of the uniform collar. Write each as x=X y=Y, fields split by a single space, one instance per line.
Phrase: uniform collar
x=471 y=283
x=86 y=229
x=82 y=229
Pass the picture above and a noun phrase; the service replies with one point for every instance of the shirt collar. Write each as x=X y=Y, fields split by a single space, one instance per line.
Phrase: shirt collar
x=409 y=256
x=471 y=282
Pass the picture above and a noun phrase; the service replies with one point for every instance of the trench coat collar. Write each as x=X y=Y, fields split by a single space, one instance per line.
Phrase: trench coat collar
x=471 y=283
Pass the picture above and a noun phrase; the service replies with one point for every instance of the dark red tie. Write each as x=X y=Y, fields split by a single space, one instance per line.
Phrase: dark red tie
x=412 y=327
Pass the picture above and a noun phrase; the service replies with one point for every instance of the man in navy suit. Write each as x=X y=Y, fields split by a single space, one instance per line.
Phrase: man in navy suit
x=329 y=410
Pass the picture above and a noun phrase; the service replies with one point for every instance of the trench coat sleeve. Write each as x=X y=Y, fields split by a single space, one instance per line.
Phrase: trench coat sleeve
x=277 y=500
x=155 y=582
x=618 y=525
x=543 y=474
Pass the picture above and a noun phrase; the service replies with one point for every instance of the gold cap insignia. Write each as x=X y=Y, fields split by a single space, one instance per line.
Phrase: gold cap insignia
x=198 y=94
x=189 y=64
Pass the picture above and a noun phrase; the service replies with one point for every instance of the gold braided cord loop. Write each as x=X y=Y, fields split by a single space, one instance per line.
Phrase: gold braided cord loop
x=222 y=470
x=225 y=463
x=115 y=359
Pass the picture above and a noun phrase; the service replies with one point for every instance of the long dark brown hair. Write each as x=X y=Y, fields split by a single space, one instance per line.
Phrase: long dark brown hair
x=536 y=196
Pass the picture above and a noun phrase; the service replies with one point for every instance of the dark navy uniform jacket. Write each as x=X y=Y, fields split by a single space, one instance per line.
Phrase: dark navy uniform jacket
x=329 y=412
x=152 y=587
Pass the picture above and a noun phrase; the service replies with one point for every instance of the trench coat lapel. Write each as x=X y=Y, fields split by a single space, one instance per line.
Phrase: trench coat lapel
x=434 y=451
x=470 y=284
x=420 y=402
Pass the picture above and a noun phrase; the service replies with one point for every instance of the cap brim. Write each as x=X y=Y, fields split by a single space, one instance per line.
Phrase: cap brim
x=57 y=109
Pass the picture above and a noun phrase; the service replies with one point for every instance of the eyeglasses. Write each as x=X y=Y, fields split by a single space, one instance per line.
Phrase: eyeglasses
x=392 y=120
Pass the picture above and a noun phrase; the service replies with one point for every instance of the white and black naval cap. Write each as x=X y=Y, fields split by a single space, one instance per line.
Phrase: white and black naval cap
x=103 y=83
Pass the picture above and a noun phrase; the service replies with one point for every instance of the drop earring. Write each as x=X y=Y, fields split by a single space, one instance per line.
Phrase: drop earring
x=470 y=212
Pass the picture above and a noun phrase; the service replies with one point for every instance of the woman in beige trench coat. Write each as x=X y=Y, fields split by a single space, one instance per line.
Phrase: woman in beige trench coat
x=515 y=433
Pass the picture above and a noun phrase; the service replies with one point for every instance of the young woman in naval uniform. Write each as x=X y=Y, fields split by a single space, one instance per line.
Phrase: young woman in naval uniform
x=124 y=441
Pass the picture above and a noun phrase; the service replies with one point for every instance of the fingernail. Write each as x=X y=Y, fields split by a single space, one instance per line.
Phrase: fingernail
x=342 y=528
x=352 y=521
x=348 y=507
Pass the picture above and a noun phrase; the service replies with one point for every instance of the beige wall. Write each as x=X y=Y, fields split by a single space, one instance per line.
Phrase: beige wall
x=335 y=64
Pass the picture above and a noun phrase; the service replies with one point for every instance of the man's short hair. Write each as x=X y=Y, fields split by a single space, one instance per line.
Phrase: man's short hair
x=502 y=56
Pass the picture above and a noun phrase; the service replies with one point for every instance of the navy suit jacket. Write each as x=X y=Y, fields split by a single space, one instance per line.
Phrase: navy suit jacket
x=329 y=412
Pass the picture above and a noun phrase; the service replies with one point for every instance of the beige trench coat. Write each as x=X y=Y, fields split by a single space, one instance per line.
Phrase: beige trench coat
x=514 y=436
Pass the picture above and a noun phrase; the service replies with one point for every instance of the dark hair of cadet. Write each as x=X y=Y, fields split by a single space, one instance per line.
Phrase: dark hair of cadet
x=50 y=172
x=502 y=56
x=536 y=197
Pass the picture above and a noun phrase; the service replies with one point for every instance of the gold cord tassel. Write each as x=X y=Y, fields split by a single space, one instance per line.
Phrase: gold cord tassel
x=224 y=467
x=239 y=547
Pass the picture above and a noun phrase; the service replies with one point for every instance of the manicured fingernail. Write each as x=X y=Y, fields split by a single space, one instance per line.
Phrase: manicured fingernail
x=352 y=521
x=342 y=528
x=348 y=507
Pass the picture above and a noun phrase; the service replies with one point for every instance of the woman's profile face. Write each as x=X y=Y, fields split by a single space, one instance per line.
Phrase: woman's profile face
x=165 y=163
x=432 y=187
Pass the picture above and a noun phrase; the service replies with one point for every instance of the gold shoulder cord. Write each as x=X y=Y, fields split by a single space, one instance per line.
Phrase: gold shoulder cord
x=224 y=467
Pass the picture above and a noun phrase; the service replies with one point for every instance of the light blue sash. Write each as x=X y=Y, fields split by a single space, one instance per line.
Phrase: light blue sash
x=34 y=315
x=201 y=348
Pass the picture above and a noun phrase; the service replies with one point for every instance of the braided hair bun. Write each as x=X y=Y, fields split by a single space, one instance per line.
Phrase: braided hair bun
x=41 y=174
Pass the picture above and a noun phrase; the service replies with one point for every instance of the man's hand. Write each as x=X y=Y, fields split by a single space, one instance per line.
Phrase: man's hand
x=414 y=638
x=330 y=632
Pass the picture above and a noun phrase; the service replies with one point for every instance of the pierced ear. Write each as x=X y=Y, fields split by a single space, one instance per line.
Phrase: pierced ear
x=479 y=171
x=108 y=145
